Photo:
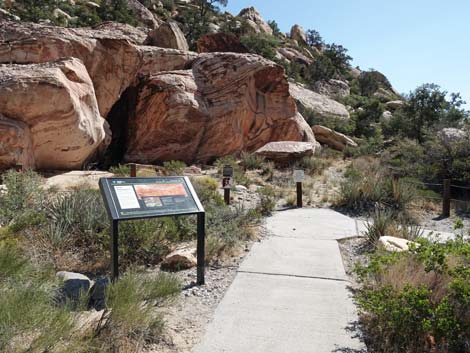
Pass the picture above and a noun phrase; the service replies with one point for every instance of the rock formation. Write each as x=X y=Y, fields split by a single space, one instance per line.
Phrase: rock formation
x=255 y=21
x=293 y=55
x=332 y=88
x=321 y=105
x=285 y=152
x=298 y=34
x=220 y=42
x=52 y=118
x=168 y=35
x=112 y=58
x=332 y=138
x=226 y=104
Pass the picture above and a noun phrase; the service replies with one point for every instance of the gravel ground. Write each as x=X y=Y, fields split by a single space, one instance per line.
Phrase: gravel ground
x=432 y=220
x=186 y=319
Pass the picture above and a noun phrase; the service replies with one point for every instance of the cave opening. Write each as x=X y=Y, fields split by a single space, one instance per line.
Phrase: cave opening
x=118 y=119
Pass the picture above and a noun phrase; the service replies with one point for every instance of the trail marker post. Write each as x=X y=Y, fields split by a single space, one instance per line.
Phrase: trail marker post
x=446 y=198
x=133 y=170
x=299 y=176
x=227 y=174
x=139 y=198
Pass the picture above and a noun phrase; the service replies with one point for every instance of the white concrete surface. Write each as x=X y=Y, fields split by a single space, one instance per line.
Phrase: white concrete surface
x=290 y=295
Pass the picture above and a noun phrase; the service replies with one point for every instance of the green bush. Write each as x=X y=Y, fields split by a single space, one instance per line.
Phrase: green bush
x=313 y=165
x=174 y=167
x=261 y=44
x=268 y=200
x=252 y=161
x=417 y=301
x=122 y=170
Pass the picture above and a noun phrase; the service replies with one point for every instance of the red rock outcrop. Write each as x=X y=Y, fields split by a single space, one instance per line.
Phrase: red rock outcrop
x=168 y=35
x=220 y=42
x=50 y=116
x=112 y=56
x=226 y=104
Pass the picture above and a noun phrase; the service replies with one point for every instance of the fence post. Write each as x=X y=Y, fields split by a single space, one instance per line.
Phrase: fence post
x=446 y=198
x=133 y=170
x=395 y=181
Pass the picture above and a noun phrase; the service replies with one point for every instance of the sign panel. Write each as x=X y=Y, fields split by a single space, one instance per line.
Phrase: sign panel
x=227 y=172
x=299 y=175
x=131 y=198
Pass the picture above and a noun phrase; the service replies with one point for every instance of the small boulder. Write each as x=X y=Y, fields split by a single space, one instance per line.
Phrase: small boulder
x=285 y=152
x=74 y=285
x=180 y=259
x=393 y=105
x=240 y=188
x=386 y=115
x=332 y=88
x=450 y=136
x=192 y=170
x=394 y=244
x=332 y=138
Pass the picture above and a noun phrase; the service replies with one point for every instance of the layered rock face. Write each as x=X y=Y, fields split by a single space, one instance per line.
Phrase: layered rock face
x=319 y=104
x=220 y=42
x=184 y=106
x=168 y=35
x=112 y=57
x=50 y=115
x=226 y=104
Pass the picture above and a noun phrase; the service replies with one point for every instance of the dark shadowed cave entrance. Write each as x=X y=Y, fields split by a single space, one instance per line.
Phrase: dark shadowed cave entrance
x=118 y=119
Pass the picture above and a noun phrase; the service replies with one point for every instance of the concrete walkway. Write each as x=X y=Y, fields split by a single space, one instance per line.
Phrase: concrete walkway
x=290 y=295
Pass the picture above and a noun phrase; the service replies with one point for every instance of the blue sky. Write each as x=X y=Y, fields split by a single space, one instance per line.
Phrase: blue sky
x=411 y=41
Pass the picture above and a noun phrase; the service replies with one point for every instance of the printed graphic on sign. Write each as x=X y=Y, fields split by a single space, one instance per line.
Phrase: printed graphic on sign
x=126 y=197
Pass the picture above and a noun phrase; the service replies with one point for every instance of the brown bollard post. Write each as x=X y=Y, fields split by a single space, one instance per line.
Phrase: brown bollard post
x=299 y=195
x=226 y=186
x=446 y=198
x=18 y=167
x=133 y=170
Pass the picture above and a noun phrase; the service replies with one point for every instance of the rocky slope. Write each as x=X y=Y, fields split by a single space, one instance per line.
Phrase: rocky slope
x=116 y=93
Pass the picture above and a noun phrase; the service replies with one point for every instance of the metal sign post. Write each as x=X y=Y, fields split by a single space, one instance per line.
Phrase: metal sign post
x=139 y=198
x=299 y=176
x=226 y=182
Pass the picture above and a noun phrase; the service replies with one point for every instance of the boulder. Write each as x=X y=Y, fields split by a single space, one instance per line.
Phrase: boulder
x=393 y=105
x=332 y=88
x=450 y=136
x=192 y=170
x=385 y=95
x=293 y=55
x=50 y=115
x=220 y=42
x=254 y=20
x=355 y=72
x=298 y=33
x=226 y=104
x=319 y=104
x=285 y=152
x=111 y=54
x=180 y=259
x=74 y=286
x=394 y=244
x=168 y=35
x=332 y=138
x=142 y=14
x=386 y=115
x=97 y=298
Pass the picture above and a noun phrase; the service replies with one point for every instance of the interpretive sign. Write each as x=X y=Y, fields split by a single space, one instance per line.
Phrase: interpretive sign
x=137 y=198
x=227 y=172
x=299 y=175
x=131 y=198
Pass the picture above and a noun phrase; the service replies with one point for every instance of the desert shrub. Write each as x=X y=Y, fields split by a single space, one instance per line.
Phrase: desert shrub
x=417 y=301
x=268 y=200
x=226 y=227
x=206 y=188
x=122 y=170
x=378 y=226
x=23 y=195
x=251 y=161
x=367 y=147
x=313 y=165
x=370 y=82
x=174 y=167
x=261 y=44
x=345 y=126
x=368 y=185
x=26 y=305
x=267 y=170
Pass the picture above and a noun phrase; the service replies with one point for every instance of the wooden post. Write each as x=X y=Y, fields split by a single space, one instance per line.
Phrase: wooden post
x=299 y=195
x=133 y=170
x=201 y=245
x=114 y=250
x=395 y=181
x=446 y=198
x=227 y=195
